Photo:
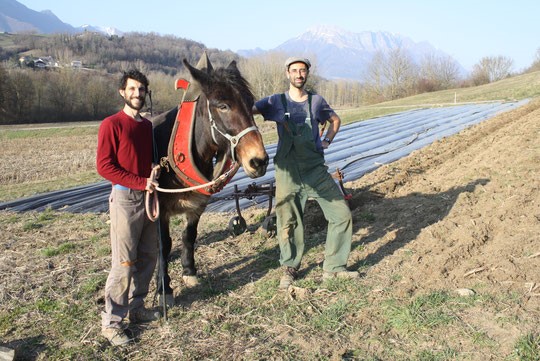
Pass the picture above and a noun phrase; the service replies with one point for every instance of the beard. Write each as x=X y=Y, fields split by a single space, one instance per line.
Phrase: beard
x=135 y=103
x=298 y=82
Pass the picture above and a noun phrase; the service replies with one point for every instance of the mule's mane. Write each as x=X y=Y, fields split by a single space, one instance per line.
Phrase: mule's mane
x=234 y=80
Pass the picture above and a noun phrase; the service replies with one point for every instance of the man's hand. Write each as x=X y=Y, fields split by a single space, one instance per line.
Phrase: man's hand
x=151 y=185
x=156 y=171
x=325 y=144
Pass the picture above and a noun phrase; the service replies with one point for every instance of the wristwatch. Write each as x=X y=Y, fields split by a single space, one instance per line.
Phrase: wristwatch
x=327 y=140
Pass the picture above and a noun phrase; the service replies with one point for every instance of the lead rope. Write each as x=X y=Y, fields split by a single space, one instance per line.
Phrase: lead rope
x=151 y=199
x=153 y=215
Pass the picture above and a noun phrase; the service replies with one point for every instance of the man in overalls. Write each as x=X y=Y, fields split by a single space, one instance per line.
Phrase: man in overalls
x=301 y=174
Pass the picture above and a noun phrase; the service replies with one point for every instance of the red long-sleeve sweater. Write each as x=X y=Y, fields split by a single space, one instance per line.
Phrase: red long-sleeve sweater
x=124 y=150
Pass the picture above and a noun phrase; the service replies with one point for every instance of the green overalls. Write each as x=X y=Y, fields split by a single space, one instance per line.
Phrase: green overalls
x=301 y=174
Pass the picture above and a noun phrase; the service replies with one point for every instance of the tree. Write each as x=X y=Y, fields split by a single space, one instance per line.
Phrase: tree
x=401 y=73
x=437 y=73
x=64 y=93
x=22 y=94
x=3 y=90
x=100 y=96
x=164 y=96
x=266 y=74
x=391 y=75
x=491 y=68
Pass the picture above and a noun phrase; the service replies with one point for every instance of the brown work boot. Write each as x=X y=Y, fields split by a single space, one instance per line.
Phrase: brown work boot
x=115 y=335
x=341 y=274
x=143 y=315
x=289 y=275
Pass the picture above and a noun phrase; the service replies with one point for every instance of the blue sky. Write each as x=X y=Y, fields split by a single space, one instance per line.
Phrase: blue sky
x=465 y=29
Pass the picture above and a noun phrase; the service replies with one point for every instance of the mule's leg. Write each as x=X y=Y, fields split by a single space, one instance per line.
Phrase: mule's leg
x=166 y=244
x=189 y=273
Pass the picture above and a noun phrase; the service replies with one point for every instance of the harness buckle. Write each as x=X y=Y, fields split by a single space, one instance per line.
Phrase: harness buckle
x=164 y=163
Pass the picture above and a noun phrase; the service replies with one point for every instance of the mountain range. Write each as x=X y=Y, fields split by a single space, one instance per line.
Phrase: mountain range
x=343 y=54
x=17 y=18
x=338 y=53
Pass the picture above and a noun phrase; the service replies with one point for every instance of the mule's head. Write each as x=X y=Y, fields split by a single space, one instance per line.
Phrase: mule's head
x=230 y=101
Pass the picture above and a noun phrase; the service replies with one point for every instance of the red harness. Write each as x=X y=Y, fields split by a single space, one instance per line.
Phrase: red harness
x=180 y=146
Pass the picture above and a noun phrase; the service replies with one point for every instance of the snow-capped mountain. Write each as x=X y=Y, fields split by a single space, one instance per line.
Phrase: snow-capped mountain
x=104 y=30
x=339 y=53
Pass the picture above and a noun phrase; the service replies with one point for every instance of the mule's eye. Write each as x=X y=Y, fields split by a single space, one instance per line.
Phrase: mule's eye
x=222 y=107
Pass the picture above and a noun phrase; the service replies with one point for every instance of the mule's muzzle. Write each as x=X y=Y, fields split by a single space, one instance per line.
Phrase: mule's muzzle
x=257 y=167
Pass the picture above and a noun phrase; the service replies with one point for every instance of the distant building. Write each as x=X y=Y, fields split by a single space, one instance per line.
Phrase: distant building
x=40 y=64
x=76 y=64
x=44 y=62
x=26 y=61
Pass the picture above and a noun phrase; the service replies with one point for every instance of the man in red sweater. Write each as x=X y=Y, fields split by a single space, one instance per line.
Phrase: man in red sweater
x=124 y=157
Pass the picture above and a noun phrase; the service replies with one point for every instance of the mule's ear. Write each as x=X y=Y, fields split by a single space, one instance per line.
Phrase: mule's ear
x=204 y=63
x=232 y=66
x=198 y=75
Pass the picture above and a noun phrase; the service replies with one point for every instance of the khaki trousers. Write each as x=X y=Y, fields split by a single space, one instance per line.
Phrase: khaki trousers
x=134 y=244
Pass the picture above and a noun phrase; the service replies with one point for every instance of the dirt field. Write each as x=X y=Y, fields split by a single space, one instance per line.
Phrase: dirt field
x=461 y=215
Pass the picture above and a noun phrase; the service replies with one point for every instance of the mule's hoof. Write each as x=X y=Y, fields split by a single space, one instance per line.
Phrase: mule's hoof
x=190 y=281
x=169 y=300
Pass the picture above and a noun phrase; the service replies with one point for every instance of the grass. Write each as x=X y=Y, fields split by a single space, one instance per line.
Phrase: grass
x=527 y=348
x=46 y=159
x=421 y=314
x=63 y=248
x=81 y=130
x=51 y=303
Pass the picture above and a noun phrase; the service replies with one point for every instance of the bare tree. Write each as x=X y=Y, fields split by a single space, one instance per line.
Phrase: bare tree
x=438 y=73
x=63 y=94
x=164 y=95
x=266 y=74
x=401 y=73
x=3 y=90
x=22 y=94
x=375 y=81
x=491 y=68
x=100 y=96
x=392 y=75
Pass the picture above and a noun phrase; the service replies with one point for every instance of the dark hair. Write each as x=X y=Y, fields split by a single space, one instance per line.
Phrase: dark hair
x=135 y=75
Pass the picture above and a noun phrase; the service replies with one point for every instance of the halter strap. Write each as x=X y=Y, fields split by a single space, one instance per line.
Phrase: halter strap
x=233 y=139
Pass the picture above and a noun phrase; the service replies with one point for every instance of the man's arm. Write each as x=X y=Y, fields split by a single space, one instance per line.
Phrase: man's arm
x=335 y=123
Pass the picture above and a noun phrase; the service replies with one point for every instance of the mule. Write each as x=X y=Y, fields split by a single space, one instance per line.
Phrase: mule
x=223 y=130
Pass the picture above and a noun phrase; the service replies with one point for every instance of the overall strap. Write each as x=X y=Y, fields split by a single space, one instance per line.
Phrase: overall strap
x=309 y=106
x=288 y=123
x=284 y=102
x=287 y=114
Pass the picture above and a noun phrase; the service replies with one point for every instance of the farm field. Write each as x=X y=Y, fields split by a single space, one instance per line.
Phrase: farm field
x=446 y=240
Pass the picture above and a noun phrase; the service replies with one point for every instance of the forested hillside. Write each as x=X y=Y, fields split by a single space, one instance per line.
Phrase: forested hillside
x=110 y=53
x=40 y=83
x=62 y=77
